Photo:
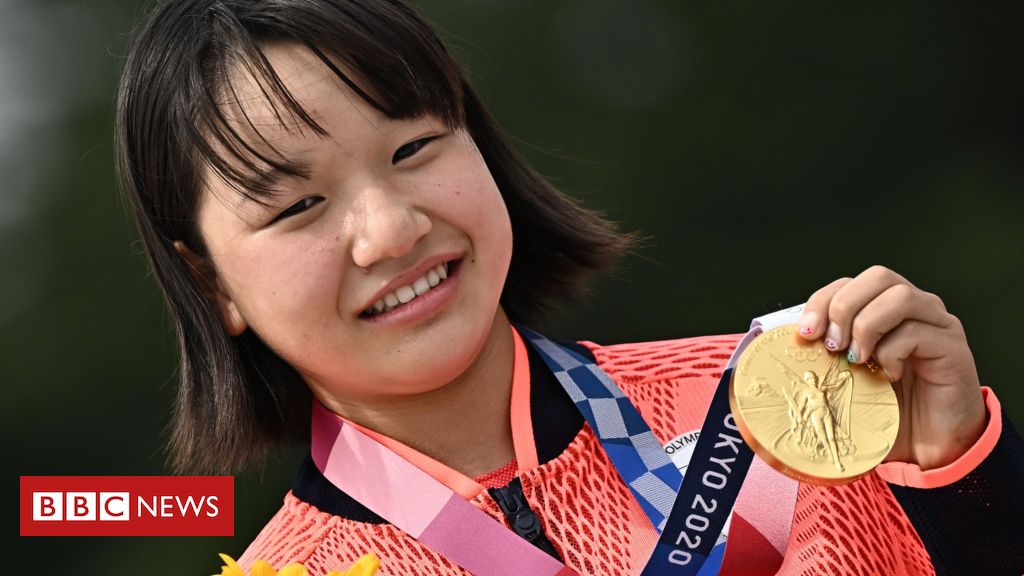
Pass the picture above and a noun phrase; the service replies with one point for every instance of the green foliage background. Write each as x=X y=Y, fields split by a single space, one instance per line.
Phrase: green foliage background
x=766 y=148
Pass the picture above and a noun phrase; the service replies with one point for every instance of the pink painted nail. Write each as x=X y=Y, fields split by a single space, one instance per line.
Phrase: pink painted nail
x=808 y=323
x=832 y=336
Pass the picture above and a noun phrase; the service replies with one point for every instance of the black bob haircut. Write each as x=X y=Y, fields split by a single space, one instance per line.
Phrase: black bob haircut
x=236 y=398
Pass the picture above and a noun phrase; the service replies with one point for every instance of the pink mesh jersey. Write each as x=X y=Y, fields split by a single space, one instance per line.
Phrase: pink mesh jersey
x=589 y=514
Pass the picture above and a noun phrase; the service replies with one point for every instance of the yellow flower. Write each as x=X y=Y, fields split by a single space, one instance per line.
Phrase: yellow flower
x=230 y=568
x=365 y=566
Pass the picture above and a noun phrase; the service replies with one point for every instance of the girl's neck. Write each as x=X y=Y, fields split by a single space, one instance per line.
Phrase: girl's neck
x=464 y=424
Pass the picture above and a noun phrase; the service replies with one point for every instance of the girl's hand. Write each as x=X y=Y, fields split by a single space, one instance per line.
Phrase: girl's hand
x=921 y=347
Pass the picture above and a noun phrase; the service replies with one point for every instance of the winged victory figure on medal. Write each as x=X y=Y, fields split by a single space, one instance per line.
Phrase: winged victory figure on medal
x=819 y=412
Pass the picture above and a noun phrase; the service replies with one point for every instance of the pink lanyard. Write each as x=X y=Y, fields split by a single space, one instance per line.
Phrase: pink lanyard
x=376 y=476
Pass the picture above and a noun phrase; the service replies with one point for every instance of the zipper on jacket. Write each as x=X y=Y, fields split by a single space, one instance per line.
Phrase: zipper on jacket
x=523 y=519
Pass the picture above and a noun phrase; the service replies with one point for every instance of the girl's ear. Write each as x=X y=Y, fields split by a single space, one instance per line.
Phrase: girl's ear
x=206 y=277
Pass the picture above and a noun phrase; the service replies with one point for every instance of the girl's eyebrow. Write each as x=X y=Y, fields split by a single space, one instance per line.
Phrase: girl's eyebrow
x=273 y=175
x=268 y=178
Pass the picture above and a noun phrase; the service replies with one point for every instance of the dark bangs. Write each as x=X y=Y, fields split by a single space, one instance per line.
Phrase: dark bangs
x=378 y=52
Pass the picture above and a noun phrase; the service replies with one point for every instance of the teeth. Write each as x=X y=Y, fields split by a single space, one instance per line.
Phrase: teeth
x=405 y=294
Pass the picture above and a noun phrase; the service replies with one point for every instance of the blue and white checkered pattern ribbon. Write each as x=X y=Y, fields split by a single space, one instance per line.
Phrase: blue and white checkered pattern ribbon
x=636 y=453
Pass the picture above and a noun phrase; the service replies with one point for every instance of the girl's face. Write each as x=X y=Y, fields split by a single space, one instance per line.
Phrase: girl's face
x=386 y=203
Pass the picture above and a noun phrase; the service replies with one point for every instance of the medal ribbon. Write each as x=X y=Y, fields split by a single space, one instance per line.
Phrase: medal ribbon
x=636 y=453
x=444 y=521
x=713 y=479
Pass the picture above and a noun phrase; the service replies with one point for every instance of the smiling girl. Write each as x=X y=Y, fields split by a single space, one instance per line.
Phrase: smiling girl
x=348 y=245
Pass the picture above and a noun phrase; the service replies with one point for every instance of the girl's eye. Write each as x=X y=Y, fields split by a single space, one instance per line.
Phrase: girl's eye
x=407 y=150
x=299 y=207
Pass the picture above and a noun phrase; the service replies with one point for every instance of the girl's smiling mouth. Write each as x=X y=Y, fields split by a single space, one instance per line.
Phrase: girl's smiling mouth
x=416 y=298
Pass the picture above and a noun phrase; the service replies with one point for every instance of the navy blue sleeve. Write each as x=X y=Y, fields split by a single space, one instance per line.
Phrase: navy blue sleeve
x=975 y=525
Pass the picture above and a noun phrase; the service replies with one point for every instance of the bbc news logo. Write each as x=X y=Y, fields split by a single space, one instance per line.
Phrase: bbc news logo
x=116 y=506
x=127 y=506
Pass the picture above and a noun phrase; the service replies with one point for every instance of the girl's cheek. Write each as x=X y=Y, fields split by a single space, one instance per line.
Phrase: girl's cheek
x=286 y=266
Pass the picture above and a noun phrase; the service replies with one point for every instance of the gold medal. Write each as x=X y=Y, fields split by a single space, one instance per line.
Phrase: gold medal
x=808 y=412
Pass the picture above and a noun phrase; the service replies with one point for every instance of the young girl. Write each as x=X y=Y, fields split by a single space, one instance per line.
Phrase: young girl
x=350 y=249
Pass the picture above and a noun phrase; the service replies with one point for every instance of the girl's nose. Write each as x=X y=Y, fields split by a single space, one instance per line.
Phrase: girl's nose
x=386 y=225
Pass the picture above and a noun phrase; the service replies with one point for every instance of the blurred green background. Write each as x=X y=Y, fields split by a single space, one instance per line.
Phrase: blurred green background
x=766 y=150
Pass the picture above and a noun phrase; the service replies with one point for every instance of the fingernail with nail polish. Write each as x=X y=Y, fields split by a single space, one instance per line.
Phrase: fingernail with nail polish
x=833 y=336
x=808 y=323
x=853 y=353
